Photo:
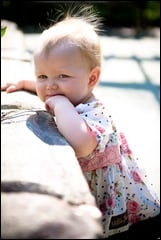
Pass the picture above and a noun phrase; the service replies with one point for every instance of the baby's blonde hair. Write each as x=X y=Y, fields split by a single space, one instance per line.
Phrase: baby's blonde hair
x=79 y=28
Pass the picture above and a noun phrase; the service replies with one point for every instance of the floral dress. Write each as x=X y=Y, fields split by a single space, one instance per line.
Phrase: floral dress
x=117 y=183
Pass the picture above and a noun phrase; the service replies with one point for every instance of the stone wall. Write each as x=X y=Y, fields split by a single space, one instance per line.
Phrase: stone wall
x=43 y=191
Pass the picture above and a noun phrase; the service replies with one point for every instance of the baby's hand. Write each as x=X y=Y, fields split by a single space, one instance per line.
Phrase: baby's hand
x=12 y=87
x=51 y=102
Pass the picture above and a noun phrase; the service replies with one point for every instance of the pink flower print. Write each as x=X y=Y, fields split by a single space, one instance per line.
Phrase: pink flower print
x=133 y=218
x=97 y=104
x=136 y=177
x=104 y=169
x=124 y=146
x=132 y=207
x=100 y=129
x=79 y=111
x=94 y=133
x=126 y=149
x=122 y=136
x=103 y=207
x=111 y=202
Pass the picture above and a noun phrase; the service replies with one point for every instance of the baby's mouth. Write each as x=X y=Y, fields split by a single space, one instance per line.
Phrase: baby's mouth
x=49 y=96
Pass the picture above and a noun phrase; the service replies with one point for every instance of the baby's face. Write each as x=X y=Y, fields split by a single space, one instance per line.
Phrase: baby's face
x=62 y=71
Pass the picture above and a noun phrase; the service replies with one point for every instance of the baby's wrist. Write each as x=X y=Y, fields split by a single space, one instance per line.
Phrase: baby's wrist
x=22 y=84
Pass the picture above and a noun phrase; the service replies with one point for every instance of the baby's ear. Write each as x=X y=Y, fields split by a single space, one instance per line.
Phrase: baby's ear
x=94 y=76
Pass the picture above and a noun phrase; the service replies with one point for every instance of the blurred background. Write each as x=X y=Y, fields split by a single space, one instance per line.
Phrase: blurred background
x=130 y=78
x=30 y=15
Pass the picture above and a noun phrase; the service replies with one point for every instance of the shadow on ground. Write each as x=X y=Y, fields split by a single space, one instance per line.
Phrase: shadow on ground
x=147 y=85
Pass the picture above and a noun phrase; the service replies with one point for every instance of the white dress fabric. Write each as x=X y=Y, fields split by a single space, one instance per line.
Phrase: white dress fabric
x=117 y=183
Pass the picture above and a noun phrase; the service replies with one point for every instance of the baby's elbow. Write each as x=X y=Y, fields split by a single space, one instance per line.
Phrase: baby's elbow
x=85 y=148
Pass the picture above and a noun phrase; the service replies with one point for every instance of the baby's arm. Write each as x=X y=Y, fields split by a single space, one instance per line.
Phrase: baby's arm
x=28 y=85
x=72 y=126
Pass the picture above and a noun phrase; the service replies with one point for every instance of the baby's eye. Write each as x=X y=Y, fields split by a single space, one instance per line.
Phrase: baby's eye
x=42 y=77
x=63 y=76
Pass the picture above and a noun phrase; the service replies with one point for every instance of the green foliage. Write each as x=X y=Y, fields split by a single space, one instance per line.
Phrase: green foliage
x=130 y=13
x=152 y=11
x=113 y=13
x=3 y=30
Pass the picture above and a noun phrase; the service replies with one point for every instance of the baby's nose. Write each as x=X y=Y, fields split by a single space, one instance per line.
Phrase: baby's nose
x=52 y=85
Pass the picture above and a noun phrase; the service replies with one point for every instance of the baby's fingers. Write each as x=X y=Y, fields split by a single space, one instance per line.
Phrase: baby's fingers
x=3 y=87
x=11 y=88
x=8 y=88
x=48 y=109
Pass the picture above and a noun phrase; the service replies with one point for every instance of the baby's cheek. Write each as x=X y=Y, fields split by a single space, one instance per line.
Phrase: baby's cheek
x=41 y=96
x=40 y=93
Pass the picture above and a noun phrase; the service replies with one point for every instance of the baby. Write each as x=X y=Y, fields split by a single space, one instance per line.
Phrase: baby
x=67 y=69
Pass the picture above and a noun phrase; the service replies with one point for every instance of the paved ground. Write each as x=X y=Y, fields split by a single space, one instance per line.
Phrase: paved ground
x=129 y=84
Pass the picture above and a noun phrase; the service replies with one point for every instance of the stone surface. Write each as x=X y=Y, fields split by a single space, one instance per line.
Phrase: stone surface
x=44 y=193
x=39 y=216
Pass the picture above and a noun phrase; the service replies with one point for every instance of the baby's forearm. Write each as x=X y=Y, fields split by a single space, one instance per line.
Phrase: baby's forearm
x=72 y=126
x=29 y=85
